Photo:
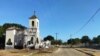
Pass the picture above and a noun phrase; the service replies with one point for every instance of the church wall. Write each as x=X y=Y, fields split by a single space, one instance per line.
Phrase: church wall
x=32 y=31
x=36 y=23
x=10 y=34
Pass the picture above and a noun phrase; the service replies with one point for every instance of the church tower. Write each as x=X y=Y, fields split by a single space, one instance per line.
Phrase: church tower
x=34 y=22
x=34 y=26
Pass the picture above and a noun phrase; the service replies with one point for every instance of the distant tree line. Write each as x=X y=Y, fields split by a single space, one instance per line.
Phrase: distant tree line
x=85 y=40
x=3 y=31
x=53 y=40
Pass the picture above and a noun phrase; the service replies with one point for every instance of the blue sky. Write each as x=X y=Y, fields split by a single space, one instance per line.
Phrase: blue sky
x=64 y=17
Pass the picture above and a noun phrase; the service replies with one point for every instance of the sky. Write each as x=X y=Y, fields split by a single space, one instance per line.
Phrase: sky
x=64 y=17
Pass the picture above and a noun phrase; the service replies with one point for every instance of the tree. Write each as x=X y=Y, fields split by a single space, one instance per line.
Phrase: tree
x=7 y=25
x=64 y=43
x=58 y=42
x=98 y=39
x=73 y=41
x=53 y=41
x=77 y=41
x=1 y=31
x=69 y=41
x=2 y=42
x=95 y=40
x=85 y=40
x=49 y=37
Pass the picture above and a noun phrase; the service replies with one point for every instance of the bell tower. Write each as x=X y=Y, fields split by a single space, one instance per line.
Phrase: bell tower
x=34 y=28
x=33 y=21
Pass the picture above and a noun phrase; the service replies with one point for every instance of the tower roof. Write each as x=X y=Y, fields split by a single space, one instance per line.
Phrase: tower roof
x=33 y=17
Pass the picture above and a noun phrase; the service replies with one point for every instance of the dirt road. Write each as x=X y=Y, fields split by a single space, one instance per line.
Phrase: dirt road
x=67 y=52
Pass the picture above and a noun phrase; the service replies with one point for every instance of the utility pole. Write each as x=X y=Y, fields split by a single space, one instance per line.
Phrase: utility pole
x=71 y=36
x=56 y=36
x=71 y=39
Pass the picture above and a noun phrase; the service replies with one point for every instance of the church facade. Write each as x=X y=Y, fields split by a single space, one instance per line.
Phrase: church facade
x=28 y=38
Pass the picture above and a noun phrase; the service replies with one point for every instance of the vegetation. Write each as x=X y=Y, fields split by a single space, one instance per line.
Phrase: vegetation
x=7 y=25
x=85 y=40
x=96 y=40
x=53 y=41
x=49 y=37
x=74 y=41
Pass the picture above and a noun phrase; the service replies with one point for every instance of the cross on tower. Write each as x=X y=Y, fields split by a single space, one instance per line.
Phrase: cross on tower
x=34 y=12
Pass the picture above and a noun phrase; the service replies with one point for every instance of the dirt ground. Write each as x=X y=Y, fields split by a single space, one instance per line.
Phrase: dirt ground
x=14 y=52
x=62 y=52
x=44 y=52
x=94 y=52
x=26 y=52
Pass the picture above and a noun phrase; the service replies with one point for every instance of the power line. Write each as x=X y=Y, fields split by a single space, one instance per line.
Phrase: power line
x=91 y=18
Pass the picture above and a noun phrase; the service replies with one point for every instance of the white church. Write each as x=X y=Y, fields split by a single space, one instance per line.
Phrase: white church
x=28 y=38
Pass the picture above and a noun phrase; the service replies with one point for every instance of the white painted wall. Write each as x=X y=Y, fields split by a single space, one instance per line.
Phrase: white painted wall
x=36 y=23
x=35 y=28
x=10 y=34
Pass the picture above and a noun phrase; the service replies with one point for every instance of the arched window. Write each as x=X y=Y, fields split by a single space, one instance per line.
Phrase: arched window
x=9 y=42
x=37 y=40
x=32 y=23
x=31 y=40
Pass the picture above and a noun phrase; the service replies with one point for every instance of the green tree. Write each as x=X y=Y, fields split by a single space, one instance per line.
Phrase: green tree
x=73 y=41
x=58 y=42
x=95 y=40
x=7 y=25
x=64 y=43
x=85 y=40
x=98 y=39
x=77 y=40
x=49 y=37
x=69 y=41
x=1 y=31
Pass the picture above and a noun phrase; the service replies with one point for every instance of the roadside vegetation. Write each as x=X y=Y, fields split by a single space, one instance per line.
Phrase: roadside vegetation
x=84 y=41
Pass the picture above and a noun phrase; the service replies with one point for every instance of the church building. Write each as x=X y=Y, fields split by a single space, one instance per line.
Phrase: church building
x=28 y=38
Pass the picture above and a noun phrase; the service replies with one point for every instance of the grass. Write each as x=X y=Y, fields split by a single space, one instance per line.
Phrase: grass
x=13 y=52
x=23 y=52
x=44 y=52
x=90 y=51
